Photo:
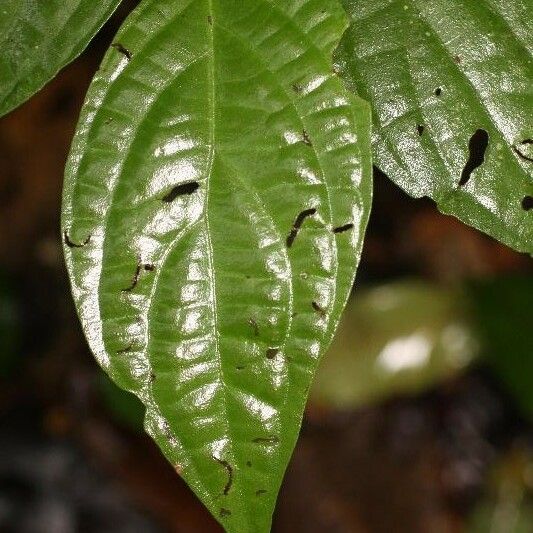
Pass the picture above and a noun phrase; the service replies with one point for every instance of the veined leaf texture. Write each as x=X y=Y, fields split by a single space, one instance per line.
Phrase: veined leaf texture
x=215 y=203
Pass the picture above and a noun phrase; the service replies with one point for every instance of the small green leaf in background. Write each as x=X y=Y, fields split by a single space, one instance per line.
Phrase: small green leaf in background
x=215 y=204
x=451 y=87
x=503 y=309
x=38 y=38
x=400 y=338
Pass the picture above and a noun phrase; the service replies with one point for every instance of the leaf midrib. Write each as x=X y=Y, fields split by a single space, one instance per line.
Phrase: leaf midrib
x=210 y=255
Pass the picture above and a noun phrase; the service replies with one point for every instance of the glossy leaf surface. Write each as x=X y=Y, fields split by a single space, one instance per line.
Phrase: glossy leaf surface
x=215 y=203
x=38 y=38
x=450 y=83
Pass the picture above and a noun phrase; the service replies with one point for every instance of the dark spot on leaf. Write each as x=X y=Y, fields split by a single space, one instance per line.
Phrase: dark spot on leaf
x=134 y=281
x=518 y=149
x=260 y=491
x=224 y=512
x=72 y=244
x=249 y=463
x=306 y=139
x=302 y=216
x=457 y=59
x=240 y=367
x=527 y=203
x=138 y=270
x=254 y=325
x=181 y=190
x=152 y=377
x=438 y=91
x=229 y=470
x=291 y=237
x=272 y=352
x=320 y=310
x=122 y=49
x=300 y=219
x=342 y=229
x=210 y=20
x=420 y=129
x=269 y=441
x=297 y=88
x=477 y=146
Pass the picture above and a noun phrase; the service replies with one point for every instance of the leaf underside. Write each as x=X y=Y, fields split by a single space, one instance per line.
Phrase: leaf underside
x=38 y=38
x=450 y=83
x=215 y=203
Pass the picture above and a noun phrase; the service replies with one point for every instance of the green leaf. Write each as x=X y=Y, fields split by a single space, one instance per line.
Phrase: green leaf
x=440 y=76
x=504 y=319
x=38 y=38
x=215 y=203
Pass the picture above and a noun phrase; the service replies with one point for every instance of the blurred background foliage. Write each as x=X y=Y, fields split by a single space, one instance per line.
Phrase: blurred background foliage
x=407 y=336
x=420 y=419
x=396 y=338
x=10 y=327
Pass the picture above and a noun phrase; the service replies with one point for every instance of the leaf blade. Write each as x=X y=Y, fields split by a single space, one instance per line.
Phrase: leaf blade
x=39 y=39
x=436 y=74
x=222 y=134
